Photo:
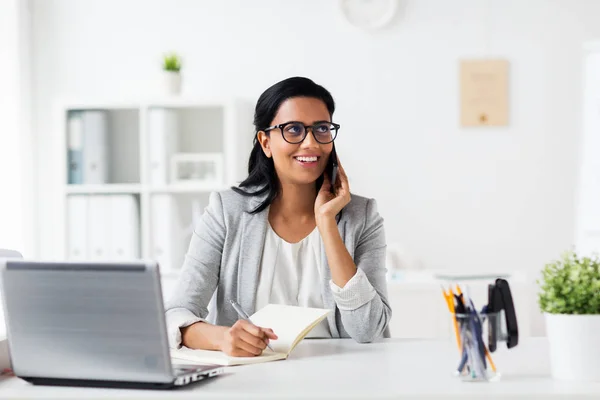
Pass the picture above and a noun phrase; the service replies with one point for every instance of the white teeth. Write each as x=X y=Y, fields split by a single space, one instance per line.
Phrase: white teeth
x=306 y=159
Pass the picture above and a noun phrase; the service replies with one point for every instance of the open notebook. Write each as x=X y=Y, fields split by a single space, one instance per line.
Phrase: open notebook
x=291 y=324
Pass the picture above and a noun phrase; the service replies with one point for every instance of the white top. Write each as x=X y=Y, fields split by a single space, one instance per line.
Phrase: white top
x=344 y=369
x=290 y=274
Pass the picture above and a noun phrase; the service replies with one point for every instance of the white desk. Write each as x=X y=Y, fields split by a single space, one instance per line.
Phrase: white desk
x=342 y=369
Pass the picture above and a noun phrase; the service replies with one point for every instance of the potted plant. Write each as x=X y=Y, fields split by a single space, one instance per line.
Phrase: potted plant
x=570 y=299
x=172 y=73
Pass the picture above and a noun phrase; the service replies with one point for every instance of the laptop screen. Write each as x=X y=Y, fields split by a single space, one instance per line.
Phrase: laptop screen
x=102 y=321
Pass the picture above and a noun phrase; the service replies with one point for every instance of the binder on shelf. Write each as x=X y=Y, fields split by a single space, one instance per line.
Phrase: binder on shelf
x=98 y=227
x=95 y=147
x=163 y=139
x=166 y=246
x=124 y=238
x=77 y=221
x=106 y=227
x=75 y=148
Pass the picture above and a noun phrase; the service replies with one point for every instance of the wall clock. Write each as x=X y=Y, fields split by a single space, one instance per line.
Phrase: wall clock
x=369 y=14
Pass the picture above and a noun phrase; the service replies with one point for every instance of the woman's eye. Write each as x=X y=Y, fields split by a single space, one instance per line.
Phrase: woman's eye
x=295 y=129
x=322 y=128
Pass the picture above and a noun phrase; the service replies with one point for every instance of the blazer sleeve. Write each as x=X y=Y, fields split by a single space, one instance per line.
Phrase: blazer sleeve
x=370 y=316
x=199 y=277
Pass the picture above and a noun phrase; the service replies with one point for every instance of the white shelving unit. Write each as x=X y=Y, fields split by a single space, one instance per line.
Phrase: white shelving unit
x=164 y=210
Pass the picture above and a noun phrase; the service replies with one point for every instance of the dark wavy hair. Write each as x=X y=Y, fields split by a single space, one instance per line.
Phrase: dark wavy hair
x=261 y=169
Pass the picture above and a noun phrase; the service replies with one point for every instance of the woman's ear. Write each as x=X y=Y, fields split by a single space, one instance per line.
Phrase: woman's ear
x=264 y=141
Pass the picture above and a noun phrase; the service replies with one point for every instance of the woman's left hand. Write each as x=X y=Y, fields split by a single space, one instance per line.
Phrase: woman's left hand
x=327 y=204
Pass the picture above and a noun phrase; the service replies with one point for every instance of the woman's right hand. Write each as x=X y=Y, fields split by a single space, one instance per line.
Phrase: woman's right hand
x=244 y=339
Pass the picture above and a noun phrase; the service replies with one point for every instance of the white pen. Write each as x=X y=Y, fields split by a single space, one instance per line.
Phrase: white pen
x=244 y=316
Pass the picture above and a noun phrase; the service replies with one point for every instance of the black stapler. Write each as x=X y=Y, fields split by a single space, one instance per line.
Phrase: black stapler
x=500 y=299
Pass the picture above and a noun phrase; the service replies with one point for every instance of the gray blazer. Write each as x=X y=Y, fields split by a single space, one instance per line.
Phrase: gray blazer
x=225 y=254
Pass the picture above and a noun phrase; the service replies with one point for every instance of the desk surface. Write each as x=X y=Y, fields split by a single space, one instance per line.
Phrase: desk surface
x=345 y=369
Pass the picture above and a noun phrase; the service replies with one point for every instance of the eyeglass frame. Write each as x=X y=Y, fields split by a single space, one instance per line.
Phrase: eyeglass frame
x=306 y=127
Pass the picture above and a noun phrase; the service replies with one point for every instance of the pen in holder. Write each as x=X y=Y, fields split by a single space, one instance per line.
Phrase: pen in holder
x=476 y=362
x=479 y=332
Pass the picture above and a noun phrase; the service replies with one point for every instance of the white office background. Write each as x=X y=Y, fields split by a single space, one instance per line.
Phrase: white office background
x=454 y=199
x=477 y=199
x=17 y=211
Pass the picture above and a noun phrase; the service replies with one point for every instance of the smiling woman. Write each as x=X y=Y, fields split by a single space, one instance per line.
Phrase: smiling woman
x=299 y=158
x=281 y=237
x=285 y=114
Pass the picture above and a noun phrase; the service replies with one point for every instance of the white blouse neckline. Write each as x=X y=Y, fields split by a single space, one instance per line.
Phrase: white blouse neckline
x=285 y=242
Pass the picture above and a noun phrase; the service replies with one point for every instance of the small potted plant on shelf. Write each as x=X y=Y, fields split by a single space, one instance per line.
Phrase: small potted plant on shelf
x=570 y=299
x=172 y=73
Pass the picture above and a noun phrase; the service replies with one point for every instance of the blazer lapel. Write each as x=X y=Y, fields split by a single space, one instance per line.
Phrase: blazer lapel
x=328 y=300
x=253 y=231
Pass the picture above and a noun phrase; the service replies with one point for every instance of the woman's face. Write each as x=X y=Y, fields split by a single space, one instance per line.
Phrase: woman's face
x=304 y=162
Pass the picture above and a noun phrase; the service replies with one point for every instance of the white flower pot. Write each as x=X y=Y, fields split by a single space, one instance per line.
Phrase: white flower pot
x=574 y=346
x=171 y=82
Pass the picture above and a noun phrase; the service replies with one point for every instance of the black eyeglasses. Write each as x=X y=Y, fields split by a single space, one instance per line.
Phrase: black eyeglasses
x=295 y=132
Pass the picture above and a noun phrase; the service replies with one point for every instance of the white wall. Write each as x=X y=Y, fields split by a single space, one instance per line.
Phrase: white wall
x=16 y=148
x=470 y=199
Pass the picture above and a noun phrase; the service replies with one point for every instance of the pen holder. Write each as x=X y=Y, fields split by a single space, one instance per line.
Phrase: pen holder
x=475 y=332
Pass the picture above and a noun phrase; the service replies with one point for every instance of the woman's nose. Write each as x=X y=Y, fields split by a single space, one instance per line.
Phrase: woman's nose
x=309 y=140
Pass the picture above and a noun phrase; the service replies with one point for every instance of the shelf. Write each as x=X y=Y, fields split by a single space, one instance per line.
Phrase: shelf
x=101 y=105
x=187 y=188
x=139 y=103
x=178 y=102
x=103 y=189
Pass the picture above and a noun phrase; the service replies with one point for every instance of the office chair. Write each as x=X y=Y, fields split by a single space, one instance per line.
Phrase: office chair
x=4 y=354
x=6 y=253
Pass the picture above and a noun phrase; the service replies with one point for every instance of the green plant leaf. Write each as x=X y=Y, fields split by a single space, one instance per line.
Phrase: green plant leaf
x=570 y=285
x=172 y=62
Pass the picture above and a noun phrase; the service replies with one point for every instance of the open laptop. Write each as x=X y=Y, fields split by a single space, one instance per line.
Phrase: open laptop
x=90 y=324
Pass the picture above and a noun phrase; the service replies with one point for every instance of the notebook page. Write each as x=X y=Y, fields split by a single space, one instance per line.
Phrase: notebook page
x=203 y=357
x=288 y=322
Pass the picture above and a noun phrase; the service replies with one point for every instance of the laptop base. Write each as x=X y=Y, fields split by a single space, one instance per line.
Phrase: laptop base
x=98 y=383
